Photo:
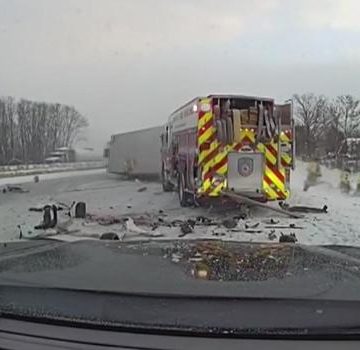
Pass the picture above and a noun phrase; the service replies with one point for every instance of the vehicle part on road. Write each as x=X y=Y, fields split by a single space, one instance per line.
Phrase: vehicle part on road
x=15 y=189
x=251 y=202
x=186 y=228
x=252 y=226
x=272 y=222
x=272 y=236
x=290 y=226
x=291 y=238
x=111 y=236
x=20 y=232
x=131 y=227
x=80 y=210
x=46 y=219
x=303 y=209
x=230 y=223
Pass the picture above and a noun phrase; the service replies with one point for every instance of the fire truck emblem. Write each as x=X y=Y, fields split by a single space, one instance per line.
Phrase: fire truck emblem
x=246 y=166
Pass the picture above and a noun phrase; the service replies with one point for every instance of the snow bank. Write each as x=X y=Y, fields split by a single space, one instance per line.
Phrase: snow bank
x=106 y=195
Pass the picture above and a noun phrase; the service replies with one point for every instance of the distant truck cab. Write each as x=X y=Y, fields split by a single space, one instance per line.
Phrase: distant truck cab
x=233 y=143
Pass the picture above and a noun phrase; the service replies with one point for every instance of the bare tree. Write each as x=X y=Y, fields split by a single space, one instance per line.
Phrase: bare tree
x=348 y=110
x=7 y=129
x=311 y=112
x=38 y=127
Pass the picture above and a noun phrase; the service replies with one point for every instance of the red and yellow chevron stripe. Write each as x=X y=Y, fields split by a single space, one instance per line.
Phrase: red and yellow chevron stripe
x=213 y=159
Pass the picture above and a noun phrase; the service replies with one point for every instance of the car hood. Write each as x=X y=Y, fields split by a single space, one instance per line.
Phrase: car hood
x=194 y=267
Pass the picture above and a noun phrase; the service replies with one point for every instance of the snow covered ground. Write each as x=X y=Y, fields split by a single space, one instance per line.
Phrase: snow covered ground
x=110 y=196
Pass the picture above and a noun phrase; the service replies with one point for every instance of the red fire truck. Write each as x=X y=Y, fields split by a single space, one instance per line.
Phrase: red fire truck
x=228 y=143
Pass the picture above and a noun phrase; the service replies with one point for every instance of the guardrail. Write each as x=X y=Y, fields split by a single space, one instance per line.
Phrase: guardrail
x=18 y=170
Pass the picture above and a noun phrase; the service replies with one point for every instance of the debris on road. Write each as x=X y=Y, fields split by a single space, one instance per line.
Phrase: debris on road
x=36 y=178
x=80 y=210
x=291 y=238
x=303 y=209
x=142 y=189
x=272 y=236
x=131 y=227
x=111 y=236
x=47 y=222
x=290 y=226
x=230 y=223
x=243 y=199
x=41 y=208
x=14 y=189
x=272 y=222
x=252 y=226
x=186 y=228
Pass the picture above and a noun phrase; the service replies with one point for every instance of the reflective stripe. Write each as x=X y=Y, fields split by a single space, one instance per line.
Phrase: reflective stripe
x=268 y=155
x=206 y=135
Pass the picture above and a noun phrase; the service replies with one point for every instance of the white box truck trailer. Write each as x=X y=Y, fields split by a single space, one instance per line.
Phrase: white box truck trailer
x=136 y=153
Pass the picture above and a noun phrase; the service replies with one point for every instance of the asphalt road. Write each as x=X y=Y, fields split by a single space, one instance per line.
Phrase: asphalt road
x=103 y=194
x=110 y=196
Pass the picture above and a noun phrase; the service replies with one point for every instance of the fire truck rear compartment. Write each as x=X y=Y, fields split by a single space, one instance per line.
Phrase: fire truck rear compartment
x=245 y=173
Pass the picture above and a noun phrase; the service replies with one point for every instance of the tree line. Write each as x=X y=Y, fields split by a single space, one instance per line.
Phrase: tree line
x=322 y=123
x=30 y=130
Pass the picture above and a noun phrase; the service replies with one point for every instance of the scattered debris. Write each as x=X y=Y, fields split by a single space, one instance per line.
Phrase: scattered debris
x=290 y=226
x=217 y=234
x=142 y=189
x=47 y=221
x=111 y=236
x=36 y=179
x=80 y=210
x=203 y=220
x=15 y=189
x=243 y=199
x=252 y=226
x=106 y=220
x=291 y=238
x=20 y=232
x=303 y=209
x=131 y=227
x=40 y=209
x=230 y=223
x=246 y=230
x=186 y=228
x=176 y=257
x=37 y=209
x=271 y=222
x=272 y=236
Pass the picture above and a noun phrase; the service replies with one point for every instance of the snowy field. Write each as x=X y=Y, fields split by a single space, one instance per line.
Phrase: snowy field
x=109 y=197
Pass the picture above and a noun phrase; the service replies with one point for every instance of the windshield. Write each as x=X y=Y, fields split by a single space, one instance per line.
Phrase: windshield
x=187 y=149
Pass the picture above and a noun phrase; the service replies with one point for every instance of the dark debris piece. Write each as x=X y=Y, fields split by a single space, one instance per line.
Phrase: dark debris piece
x=186 y=228
x=291 y=238
x=252 y=226
x=272 y=236
x=230 y=223
x=111 y=236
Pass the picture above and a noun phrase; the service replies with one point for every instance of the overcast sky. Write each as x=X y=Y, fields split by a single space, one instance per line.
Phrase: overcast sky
x=127 y=64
